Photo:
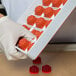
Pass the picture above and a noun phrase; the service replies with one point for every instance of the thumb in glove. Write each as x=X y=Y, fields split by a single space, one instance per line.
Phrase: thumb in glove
x=10 y=32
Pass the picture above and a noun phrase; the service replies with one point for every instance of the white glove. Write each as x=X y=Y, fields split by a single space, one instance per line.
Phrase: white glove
x=9 y=35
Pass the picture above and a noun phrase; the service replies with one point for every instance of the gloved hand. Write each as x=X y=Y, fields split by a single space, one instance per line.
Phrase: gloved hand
x=9 y=35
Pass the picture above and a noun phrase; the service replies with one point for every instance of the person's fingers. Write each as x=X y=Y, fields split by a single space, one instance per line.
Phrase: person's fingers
x=10 y=58
x=5 y=41
x=9 y=34
x=13 y=52
x=19 y=55
x=27 y=34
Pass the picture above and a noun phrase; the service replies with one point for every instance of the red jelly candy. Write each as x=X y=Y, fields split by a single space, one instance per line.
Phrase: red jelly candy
x=46 y=2
x=56 y=11
x=37 y=61
x=39 y=10
x=23 y=43
x=56 y=3
x=26 y=27
x=40 y=22
x=37 y=33
x=46 y=69
x=31 y=20
x=48 y=12
x=34 y=70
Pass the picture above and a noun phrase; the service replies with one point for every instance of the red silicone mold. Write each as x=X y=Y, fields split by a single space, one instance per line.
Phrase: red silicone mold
x=46 y=2
x=40 y=22
x=56 y=3
x=48 y=12
x=23 y=43
x=31 y=20
x=39 y=10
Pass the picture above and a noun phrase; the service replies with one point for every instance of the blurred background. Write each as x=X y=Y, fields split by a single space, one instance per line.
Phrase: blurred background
x=67 y=33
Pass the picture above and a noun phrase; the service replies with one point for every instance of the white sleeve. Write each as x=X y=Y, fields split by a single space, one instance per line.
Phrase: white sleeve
x=15 y=8
x=6 y=5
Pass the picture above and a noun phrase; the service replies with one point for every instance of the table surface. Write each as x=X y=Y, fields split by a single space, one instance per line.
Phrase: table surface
x=62 y=63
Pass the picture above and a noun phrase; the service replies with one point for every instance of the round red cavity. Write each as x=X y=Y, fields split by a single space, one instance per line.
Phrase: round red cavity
x=34 y=70
x=23 y=43
x=46 y=69
x=39 y=10
x=46 y=2
x=37 y=61
x=56 y=3
x=48 y=12
x=40 y=23
x=31 y=20
x=37 y=33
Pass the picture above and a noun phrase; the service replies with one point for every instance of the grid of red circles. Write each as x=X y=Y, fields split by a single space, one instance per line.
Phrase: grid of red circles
x=41 y=22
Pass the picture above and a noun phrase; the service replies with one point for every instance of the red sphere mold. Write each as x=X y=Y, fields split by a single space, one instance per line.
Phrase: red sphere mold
x=23 y=43
x=56 y=3
x=46 y=2
x=48 y=12
x=39 y=10
x=40 y=23
x=31 y=20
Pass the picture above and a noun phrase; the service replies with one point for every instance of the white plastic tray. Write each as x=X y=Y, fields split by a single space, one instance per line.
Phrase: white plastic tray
x=53 y=27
